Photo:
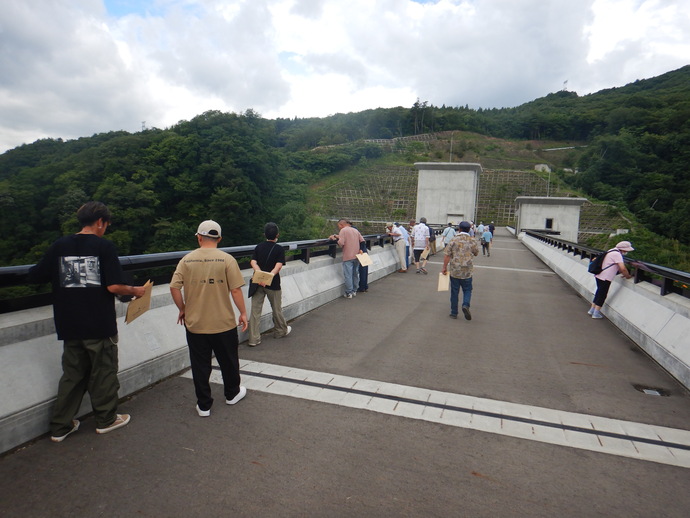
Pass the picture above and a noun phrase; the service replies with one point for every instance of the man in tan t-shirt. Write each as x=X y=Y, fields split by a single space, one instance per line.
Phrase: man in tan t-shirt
x=209 y=277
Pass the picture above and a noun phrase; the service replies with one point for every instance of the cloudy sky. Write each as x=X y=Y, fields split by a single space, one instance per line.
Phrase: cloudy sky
x=71 y=68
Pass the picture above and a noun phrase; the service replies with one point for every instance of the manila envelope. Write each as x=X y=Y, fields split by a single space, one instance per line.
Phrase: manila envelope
x=364 y=259
x=443 y=282
x=261 y=276
x=138 y=307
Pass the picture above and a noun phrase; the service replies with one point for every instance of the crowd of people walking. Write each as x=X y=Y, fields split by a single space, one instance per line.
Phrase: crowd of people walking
x=460 y=245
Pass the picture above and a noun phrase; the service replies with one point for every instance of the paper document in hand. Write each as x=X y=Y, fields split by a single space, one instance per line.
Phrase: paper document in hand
x=262 y=277
x=364 y=259
x=443 y=282
x=139 y=306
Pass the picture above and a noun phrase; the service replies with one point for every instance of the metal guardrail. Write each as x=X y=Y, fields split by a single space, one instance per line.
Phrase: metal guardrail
x=294 y=251
x=668 y=279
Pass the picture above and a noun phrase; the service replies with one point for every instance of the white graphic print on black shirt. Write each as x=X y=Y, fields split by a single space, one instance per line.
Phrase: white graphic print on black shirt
x=80 y=272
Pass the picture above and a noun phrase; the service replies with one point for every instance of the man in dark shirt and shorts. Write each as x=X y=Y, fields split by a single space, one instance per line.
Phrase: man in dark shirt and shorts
x=86 y=275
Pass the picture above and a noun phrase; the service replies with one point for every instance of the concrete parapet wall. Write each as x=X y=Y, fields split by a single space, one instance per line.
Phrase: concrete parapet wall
x=660 y=325
x=151 y=348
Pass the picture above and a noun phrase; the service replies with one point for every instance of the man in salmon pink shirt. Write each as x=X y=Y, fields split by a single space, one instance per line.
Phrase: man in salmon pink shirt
x=349 y=239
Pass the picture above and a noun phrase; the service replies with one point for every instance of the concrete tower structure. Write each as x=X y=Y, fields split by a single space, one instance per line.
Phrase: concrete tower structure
x=552 y=214
x=447 y=191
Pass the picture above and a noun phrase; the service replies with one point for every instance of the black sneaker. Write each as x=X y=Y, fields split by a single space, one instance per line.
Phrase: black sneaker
x=466 y=312
x=453 y=316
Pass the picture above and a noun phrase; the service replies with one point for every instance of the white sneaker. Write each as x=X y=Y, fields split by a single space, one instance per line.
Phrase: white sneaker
x=289 y=329
x=203 y=413
x=120 y=421
x=240 y=395
x=75 y=427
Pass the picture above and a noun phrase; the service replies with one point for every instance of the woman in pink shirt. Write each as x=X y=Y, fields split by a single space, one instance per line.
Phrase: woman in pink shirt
x=613 y=265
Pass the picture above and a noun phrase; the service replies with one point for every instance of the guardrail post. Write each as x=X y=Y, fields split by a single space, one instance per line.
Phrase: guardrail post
x=305 y=255
x=667 y=286
x=637 y=276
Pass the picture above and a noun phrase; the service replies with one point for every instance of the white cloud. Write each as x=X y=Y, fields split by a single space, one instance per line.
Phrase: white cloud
x=632 y=40
x=71 y=68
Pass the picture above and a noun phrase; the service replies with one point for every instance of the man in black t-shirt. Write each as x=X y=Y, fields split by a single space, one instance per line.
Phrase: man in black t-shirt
x=85 y=273
x=268 y=256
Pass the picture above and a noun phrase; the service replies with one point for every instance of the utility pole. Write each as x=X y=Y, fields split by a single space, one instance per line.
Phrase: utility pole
x=548 y=184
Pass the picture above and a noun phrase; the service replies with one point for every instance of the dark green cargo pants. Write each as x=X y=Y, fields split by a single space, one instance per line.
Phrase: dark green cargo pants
x=87 y=365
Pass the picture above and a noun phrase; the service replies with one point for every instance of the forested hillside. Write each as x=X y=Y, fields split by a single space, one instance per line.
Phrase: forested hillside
x=243 y=170
x=161 y=183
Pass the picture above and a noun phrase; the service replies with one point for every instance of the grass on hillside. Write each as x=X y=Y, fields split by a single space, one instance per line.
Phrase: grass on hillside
x=499 y=154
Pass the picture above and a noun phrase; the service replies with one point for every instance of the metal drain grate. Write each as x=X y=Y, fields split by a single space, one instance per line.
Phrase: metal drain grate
x=652 y=391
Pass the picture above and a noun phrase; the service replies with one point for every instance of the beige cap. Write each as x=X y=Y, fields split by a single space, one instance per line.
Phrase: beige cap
x=625 y=246
x=208 y=228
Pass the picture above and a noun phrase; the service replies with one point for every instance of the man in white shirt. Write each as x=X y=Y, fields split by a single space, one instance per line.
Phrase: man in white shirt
x=406 y=237
x=420 y=242
x=448 y=234
x=399 y=243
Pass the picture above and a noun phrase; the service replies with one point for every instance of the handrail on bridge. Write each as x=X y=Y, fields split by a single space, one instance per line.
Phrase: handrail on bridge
x=295 y=250
x=670 y=280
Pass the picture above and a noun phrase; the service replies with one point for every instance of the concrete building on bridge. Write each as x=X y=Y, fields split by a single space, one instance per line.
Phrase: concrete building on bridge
x=551 y=214
x=447 y=191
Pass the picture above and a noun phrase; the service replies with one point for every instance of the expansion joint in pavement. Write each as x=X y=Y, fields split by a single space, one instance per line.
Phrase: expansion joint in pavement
x=600 y=434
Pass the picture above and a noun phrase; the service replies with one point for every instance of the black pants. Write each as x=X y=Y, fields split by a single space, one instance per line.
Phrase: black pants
x=224 y=346
x=363 y=274
x=602 y=292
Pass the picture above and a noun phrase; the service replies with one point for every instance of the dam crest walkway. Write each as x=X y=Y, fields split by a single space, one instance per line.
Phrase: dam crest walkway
x=382 y=405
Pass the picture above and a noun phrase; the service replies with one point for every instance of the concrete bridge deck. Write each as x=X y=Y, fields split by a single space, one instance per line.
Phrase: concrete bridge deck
x=383 y=406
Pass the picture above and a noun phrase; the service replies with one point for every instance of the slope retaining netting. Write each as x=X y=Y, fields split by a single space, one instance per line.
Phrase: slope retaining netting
x=390 y=194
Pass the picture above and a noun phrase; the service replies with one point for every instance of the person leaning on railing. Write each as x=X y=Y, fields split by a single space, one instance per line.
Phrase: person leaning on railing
x=613 y=265
x=397 y=232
